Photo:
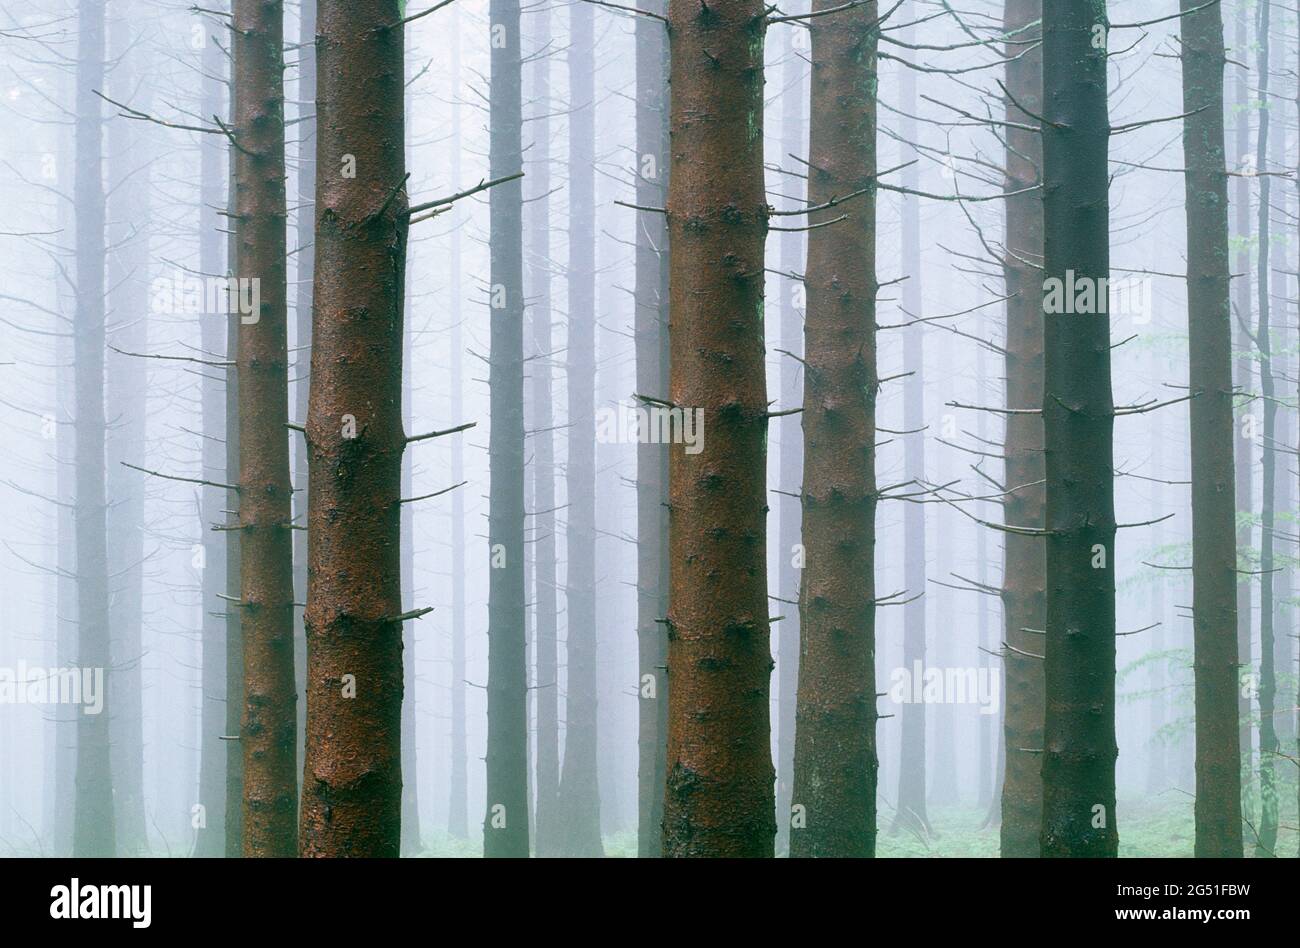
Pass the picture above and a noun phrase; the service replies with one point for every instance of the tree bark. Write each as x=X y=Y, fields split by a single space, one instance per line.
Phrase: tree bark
x=719 y=797
x=835 y=731
x=1214 y=554
x=505 y=822
x=352 y=781
x=1024 y=583
x=1079 y=748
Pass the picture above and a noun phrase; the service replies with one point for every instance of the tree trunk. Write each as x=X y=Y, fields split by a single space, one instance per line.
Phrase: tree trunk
x=546 y=786
x=93 y=821
x=212 y=337
x=505 y=822
x=267 y=734
x=1214 y=554
x=719 y=797
x=1268 y=744
x=579 y=786
x=1024 y=583
x=352 y=781
x=1079 y=747
x=835 y=731
x=651 y=326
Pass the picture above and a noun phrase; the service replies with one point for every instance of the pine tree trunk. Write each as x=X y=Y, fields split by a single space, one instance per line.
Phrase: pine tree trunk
x=835 y=731
x=1024 y=584
x=1079 y=748
x=352 y=781
x=719 y=797
x=505 y=822
x=651 y=324
x=1214 y=554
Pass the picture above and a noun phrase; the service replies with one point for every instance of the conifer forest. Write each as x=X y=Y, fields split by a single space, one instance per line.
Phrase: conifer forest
x=651 y=429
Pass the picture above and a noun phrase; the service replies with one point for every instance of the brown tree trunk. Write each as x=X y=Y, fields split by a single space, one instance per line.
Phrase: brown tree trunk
x=352 y=781
x=719 y=795
x=267 y=731
x=1214 y=553
x=1024 y=589
x=835 y=731
x=1079 y=748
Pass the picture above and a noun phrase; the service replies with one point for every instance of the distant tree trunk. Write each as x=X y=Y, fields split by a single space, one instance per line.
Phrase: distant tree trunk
x=1266 y=839
x=1079 y=748
x=212 y=337
x=911 y=809
x=835 y=732
x=505 y=822
x=1024 y=583
x=1214 y=554
x=458 y=802
x=794 y=140
x=719 y=797
x=352 y=781
x=579 y=786
x=305 y=256
x=651 y=326
x=267 y=734
x=546 y=785
x=93 y=823
x=1245 y=444
x=127 y=383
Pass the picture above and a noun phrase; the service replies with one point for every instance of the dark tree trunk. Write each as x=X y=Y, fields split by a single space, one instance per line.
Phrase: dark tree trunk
x=579 y=786
x=267 y=734
x=352 y=780
x=505 y=822
x=835 y=732
x=546 y=785
x=93 y=821
x=1214 y=554
x=651 y=324
x=1079 y=748
x=1024 y=584
x=719 y=797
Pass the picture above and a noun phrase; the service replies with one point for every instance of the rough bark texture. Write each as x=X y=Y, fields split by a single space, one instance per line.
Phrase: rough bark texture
x=719 y=795
x=352 y=781
x=505 y=822
x=1214 y=554
x=651 y=326
x=835 y=732
x=93 y=820
x=1078 y=419
x=267 y=734
x=579 y=784
x=546 y=784
x=1024 y=585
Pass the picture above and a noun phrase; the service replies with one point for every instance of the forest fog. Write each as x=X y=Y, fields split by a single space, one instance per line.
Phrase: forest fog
x=425 y=422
